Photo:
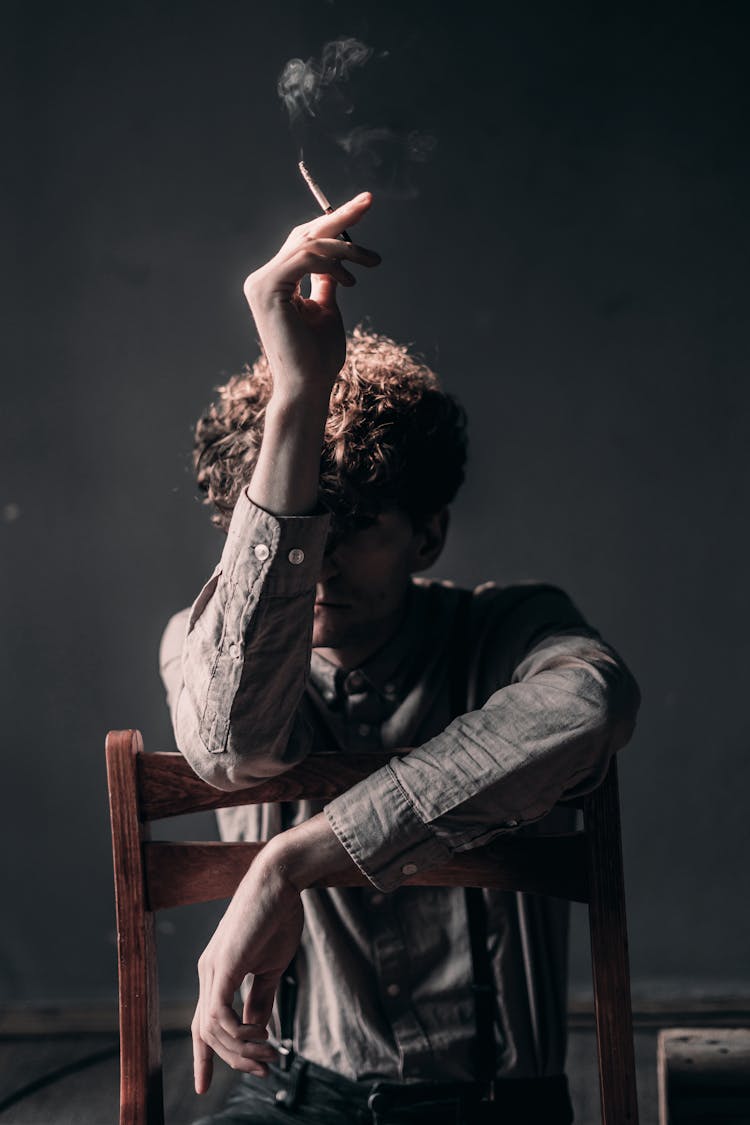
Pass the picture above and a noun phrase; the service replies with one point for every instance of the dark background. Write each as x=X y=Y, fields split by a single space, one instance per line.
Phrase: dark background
x=572 y=259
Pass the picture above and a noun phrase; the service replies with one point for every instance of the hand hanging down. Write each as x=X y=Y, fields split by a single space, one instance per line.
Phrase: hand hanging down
x=259 y=934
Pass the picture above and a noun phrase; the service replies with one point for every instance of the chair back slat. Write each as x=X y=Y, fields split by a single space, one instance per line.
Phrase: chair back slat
x=168 y=787
x=181 y=873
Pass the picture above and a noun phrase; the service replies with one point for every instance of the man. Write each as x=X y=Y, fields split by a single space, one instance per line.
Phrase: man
x=331 y=474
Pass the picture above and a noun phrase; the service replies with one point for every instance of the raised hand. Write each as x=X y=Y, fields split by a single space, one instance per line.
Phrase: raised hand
x=304 y=338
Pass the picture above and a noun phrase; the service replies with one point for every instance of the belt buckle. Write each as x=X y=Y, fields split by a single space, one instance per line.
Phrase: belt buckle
x=294 y=1067
x=385 y=1096
x=378 y=1099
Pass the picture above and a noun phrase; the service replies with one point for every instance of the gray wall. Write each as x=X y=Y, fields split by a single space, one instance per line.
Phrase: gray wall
x=574 y=265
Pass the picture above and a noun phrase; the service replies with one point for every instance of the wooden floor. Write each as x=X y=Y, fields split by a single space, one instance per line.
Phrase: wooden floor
x=89 y=1097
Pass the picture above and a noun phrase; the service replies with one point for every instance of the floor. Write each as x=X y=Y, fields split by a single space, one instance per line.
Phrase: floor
x=89 y=1096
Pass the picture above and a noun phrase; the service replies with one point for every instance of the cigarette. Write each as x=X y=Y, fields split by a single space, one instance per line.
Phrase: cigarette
x=320 y=196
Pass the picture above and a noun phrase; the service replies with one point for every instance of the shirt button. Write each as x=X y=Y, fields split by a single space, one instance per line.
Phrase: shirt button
x=364 y=729
x=329 y=696
x=393 y=990
x=354 y=682
x=512 y=824
x=235 y=651
x=261 y=552
x=377 y=899
x=296 y=556
x=280 y=1095
x=409 y=868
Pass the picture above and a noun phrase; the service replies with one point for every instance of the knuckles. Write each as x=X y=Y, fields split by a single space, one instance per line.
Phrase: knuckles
x=249 y=288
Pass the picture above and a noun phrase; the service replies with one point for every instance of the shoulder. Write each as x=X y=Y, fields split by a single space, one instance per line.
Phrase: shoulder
x=503 y=622
x=492 y=602
x=531 y=593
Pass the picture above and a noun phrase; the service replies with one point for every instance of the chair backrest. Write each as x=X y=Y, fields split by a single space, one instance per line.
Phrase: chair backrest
x=583 y=866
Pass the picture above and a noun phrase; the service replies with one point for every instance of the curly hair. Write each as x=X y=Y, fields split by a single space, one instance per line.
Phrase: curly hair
x=393 y=438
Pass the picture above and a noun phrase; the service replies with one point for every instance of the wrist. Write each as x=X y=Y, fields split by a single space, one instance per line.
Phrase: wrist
x=305 y=403
x=286 y=475
x=309 y=855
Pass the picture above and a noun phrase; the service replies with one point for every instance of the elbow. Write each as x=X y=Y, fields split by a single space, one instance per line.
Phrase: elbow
x=226 y=770
x=209 y=765
x=244 y=759
x=624 y=700
x=206 y=754
x=223 y=769
x=612 y=695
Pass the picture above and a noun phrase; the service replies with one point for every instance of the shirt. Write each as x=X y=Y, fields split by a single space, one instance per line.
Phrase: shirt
x=384 y=971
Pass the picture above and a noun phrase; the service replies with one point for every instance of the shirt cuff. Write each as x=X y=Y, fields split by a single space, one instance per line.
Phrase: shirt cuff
x=380 y=829
x=287 y=551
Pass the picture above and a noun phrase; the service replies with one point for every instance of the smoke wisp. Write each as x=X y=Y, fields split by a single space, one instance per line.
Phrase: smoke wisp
x=319 y=97
x=303 y=84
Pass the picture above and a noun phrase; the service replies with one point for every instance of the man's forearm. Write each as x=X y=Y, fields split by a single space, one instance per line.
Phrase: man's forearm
x=310 y=854
x=285 y=480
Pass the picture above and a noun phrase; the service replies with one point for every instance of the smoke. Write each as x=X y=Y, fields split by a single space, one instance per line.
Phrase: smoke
x=414 y=146
x=318 y=94
x=303 y=85
x=382 y=156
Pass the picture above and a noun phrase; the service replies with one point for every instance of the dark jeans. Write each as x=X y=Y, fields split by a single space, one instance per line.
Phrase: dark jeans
x=311 y=1095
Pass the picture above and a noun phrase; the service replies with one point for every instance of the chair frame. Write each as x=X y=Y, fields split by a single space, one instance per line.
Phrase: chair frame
x=583 y=866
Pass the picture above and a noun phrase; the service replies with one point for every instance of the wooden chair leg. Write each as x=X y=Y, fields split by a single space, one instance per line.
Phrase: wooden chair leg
x=609 y=955
x=141 y=1094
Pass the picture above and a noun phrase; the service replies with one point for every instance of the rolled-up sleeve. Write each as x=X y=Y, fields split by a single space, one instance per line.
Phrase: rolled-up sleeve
x=548 y=733
x=244 y=650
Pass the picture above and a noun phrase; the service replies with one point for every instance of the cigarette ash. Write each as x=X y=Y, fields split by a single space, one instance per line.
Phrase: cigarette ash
x=319 y=97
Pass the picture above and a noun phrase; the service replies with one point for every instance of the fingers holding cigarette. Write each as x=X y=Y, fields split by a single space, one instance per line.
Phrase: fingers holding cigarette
x=322 y=199
x=304 y=254
x=313 y=248
x=334 y=222
x=336 y=251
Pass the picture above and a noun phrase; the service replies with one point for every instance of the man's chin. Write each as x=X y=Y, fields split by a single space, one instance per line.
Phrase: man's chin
x=325 y=636
x=330 y=633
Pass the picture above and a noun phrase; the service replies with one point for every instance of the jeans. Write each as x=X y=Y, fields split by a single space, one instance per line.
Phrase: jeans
x=308 y=1094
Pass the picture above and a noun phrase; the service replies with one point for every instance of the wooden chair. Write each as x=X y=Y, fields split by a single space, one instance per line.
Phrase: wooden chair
x=150 y=875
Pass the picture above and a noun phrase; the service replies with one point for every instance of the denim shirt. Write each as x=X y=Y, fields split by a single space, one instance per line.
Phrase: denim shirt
x=384 y=971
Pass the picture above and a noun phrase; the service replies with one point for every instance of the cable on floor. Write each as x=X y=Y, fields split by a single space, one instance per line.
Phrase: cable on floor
x=61 y=1072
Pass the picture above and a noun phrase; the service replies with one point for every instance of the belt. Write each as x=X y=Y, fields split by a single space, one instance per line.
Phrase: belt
x=507 y=1100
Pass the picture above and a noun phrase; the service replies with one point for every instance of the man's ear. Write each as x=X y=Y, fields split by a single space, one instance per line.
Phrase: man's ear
x=431 y=537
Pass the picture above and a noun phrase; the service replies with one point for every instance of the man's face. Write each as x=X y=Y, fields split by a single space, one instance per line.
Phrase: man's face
x=360 y=595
